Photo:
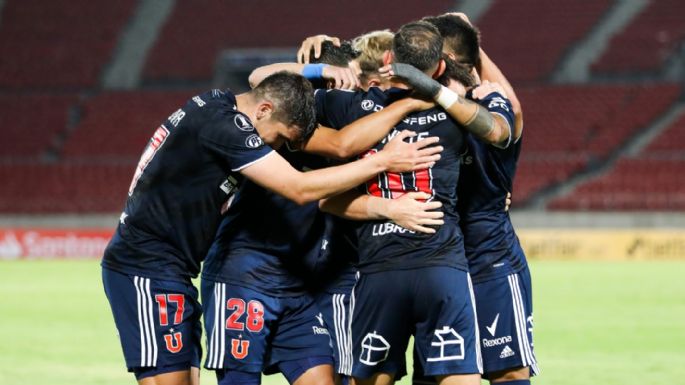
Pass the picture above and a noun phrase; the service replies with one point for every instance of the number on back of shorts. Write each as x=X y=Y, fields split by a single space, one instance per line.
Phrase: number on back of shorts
x=255 y=315
x=162 y=302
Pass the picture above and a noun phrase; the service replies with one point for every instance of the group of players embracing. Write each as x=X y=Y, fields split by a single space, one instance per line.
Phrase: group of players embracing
x=335 y=221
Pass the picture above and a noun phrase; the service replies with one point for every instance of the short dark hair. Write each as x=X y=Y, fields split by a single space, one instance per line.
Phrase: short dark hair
x=334 y=55
x=461 y=38
x=456 y=71
x=293 y=99
x=419 y=44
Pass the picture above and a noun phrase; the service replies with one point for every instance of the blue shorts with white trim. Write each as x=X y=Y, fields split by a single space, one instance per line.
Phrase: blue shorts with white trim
x=249 y=331
x=433 y=303
x=505 y=320
x=158 y=321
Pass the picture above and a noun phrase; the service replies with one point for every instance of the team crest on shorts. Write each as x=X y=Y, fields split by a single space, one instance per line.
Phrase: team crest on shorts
x=446 y=345
x=375 y=349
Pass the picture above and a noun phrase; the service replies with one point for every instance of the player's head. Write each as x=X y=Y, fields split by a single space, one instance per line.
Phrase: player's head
x=462 y=40
x=284 y=104
x=418 y=43
x=371 y=47
x=457 y=76
x=339 y=56
x=333 y=55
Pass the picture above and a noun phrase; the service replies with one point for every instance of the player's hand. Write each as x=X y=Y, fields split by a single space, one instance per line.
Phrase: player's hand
x=412 y=212
x=343 y=77
x=420 y=104
x=507 y=201
x=486 y=88
x=314 y=43
x=423 y=85
x=402 y=156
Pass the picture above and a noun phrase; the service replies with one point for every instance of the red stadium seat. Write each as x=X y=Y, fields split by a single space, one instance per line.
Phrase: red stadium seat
x=201 y=32
x=58 y=44
x=645 y=44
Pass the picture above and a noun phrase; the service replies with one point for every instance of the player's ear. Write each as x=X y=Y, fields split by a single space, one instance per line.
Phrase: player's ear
x=440 y=70
x=388 y=58
x=373 y=82
x=264 y=109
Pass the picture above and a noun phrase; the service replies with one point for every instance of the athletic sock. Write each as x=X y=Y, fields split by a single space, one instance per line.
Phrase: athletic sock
x=514 y=382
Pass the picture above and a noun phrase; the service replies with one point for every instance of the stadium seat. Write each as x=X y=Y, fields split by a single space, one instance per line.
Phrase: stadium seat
x=217 y=25
x=528 y=38
x=646 y=43
x=58 y=44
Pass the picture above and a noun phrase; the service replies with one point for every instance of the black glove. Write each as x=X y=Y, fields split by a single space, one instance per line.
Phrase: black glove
x=423 y=84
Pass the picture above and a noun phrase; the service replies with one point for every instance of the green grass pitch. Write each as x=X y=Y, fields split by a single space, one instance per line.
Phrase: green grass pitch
x=595 y=323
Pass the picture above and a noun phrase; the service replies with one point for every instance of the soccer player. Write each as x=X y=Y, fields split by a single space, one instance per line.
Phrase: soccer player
x=497 y=263
x=185 y=180
x=411 y=283
x=258 y=316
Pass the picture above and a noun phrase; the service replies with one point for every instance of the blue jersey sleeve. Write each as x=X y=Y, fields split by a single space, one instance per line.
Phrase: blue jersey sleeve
x=234 y=139
x=496 y=103
x=334 y=107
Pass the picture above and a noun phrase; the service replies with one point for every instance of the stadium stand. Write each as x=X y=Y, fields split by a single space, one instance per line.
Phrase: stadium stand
x=70 y=146
x=649 y=181
x=218 y=25
x=58 y=44
x=647 y=43
x=18 y=117
x=117 y=125
x=528 y=38
x=36 y=188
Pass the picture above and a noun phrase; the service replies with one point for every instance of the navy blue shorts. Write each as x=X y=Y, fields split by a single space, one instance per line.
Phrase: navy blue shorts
x=334 y=305
x=433 y=303
x=158 y=322
x=505 y=320
x=251 y=332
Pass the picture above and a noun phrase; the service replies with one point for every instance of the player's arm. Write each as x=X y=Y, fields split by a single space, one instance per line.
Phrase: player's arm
x=276 y=174
x=409 y=211
x=363 y=133
x=489 y=71
x=344 y=77
x=475 y=118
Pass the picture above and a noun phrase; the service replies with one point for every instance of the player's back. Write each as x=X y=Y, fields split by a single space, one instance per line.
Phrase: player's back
x=185 y=178
x=488 y=172
x=384 y=245
x=268 y=242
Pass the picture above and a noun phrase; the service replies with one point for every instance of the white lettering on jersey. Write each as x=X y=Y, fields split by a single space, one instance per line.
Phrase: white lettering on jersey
x=176 y=117
x=199 y=101
x=388 y=228
x=423 y=120
x=498 y=102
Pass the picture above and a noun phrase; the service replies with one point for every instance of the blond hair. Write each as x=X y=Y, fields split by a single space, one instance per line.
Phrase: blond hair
x=371 y=47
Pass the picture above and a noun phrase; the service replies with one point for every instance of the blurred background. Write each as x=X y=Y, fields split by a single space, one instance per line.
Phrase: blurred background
x=84 y=83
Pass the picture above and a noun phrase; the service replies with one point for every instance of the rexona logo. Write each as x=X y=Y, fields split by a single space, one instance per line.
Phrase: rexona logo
x=496 y=341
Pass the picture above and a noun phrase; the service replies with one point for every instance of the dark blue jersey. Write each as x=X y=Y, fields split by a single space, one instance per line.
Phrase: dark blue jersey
x=268 y=242
x=185 y=179
x=492 y=247
x=384 y=245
